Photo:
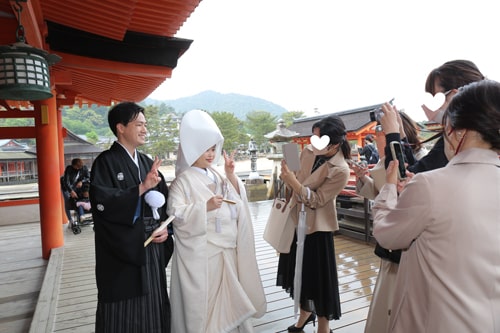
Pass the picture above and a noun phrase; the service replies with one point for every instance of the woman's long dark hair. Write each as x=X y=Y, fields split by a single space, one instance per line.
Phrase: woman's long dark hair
x=476 y=107
x=453 y=75
x=334 y=127
x=411 y=131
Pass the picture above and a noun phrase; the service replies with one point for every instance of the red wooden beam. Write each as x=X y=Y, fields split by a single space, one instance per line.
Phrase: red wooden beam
x=19 y=202
x=113 y=67
x=17 y=133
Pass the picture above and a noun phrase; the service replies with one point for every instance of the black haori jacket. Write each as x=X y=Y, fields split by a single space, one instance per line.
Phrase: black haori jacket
x=119 y=242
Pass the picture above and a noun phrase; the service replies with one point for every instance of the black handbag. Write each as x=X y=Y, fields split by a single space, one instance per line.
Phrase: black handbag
x=391 y=255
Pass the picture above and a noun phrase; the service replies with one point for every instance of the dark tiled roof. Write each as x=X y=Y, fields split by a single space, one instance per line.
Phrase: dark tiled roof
x=73 y=144
x=354 y=120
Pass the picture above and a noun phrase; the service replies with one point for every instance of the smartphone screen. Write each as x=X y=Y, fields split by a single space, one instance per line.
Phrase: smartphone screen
x=291 y=155
x=397 y=154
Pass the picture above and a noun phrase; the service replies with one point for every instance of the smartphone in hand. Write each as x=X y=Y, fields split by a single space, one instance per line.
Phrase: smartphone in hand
x=397 y=154
x=291 y=155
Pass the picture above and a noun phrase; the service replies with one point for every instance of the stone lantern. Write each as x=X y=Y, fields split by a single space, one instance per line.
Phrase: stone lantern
x=278 y=138
x=255 y=185
x=252 y=149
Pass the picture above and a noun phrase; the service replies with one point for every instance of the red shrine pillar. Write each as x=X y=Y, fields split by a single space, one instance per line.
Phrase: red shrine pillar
x=62 y=166
x=47 y=152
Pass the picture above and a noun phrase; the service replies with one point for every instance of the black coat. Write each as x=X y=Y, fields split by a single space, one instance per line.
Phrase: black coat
x=72 y=176
x=119 y=241
x=435 y=159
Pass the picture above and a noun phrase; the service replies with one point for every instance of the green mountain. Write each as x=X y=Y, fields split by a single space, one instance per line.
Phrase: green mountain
x=211 y=101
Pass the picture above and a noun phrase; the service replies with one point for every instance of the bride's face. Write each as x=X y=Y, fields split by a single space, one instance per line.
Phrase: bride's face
x=206 y=159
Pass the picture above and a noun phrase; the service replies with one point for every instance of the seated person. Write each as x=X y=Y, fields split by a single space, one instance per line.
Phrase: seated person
x=76 y=177
x=83 y=203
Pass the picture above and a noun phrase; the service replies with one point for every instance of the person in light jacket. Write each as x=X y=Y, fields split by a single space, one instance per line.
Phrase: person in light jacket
x=322 y=176
x=448 y=220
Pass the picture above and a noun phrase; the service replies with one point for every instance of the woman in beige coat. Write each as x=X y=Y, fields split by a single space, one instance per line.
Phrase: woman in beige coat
x=448 y=222
x=323 y=174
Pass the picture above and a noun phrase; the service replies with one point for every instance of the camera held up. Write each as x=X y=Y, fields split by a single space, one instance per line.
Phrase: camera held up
x=377 y=113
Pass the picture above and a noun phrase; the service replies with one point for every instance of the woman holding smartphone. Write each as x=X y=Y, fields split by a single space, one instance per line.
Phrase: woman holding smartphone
x=323 y=174
x=447 y=222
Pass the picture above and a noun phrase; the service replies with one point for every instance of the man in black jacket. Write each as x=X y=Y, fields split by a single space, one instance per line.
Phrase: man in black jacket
x=131 y=278
x=75 y=180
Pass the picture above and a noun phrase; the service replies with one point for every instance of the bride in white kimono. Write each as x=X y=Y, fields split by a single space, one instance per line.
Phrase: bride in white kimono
x=215 y=284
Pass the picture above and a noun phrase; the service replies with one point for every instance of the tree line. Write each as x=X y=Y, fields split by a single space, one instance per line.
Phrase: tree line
x=91 y=122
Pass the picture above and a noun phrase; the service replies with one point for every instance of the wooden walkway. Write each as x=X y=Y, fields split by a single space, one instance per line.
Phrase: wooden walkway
x=22 y=270
x=77 y=295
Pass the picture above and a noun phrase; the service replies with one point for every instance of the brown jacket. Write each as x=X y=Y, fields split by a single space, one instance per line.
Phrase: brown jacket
x=324 y=185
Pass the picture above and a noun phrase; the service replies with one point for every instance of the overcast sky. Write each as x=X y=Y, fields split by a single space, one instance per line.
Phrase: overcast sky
x=329 y=55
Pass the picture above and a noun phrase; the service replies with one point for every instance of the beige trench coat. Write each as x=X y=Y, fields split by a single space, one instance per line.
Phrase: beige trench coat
x=449 y=221
x=324 y=186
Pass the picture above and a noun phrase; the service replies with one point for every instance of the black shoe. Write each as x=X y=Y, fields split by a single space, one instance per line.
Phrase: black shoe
x=293 y=328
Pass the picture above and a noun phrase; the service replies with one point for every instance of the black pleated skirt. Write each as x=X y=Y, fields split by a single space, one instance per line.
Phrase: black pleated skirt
x=147 y=313
x=320 y=286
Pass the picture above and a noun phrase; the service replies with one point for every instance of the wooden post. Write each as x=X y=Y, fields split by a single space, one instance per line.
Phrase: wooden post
x=47 y=149
x=62 y=164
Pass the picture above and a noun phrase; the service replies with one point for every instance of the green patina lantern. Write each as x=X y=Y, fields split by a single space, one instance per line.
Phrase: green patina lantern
x=24 y=70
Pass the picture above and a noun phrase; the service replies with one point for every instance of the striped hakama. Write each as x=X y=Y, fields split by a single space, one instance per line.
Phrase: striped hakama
x=148 y=313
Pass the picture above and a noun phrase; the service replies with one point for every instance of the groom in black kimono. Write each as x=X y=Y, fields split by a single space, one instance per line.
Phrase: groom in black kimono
x=131 y=278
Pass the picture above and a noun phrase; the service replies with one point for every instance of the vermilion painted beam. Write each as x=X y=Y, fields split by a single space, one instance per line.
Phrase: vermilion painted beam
x=17 y=114
x=61 y=77
x=19 y=202
x=106 y=66
x=17 y=133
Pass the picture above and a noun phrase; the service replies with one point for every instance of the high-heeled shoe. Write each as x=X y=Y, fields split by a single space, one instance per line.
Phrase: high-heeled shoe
x=293 y=328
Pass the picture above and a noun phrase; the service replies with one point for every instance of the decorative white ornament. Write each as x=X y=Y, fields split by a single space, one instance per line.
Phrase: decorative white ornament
x=435 y=102
x=320 y=143
x=155 y=200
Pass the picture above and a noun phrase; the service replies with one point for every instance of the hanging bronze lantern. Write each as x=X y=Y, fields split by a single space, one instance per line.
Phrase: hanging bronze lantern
x=24 y=70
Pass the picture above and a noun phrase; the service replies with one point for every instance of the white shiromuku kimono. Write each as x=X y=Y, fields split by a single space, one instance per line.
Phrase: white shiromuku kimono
x=215 y=283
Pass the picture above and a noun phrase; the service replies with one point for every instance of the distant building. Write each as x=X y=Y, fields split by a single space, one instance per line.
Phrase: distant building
x=76 y=147
x=18 y=163
x=12 y=145
x=357 y=122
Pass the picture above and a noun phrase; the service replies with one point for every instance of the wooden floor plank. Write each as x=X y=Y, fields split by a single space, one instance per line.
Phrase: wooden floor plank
x=22 y=270
x=357 y=271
